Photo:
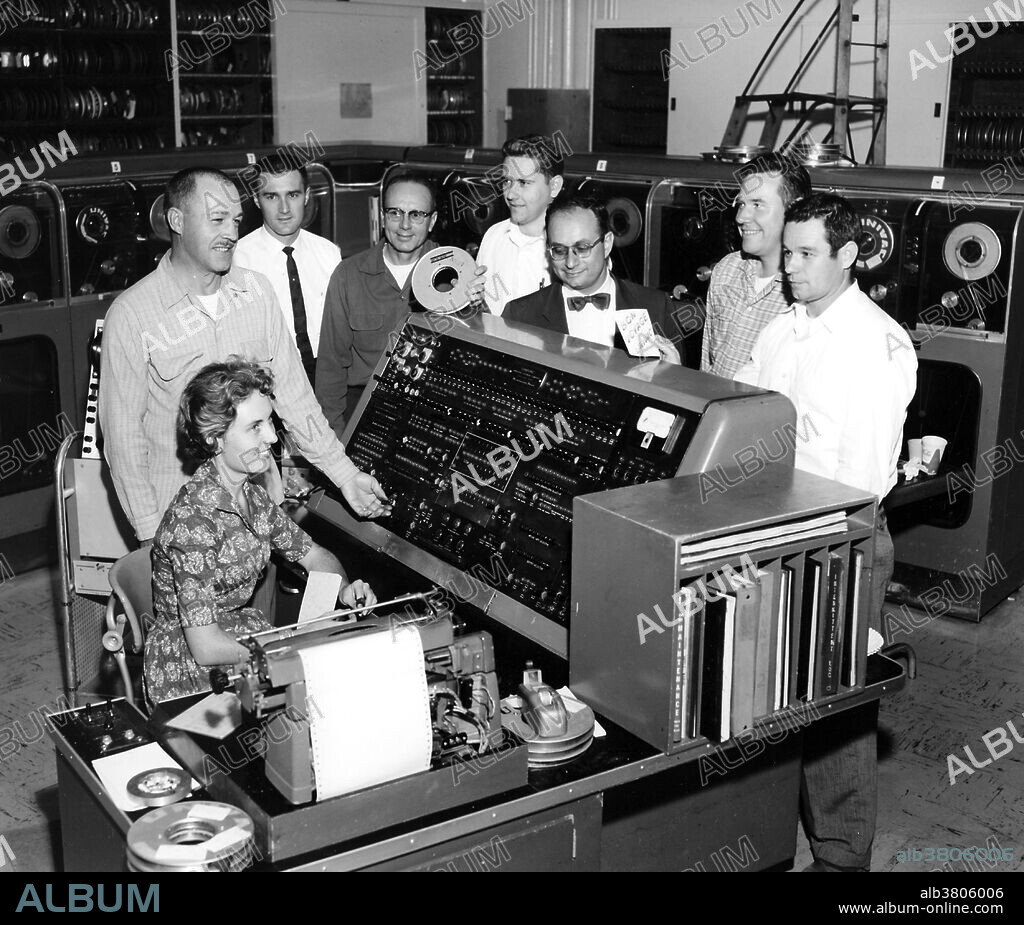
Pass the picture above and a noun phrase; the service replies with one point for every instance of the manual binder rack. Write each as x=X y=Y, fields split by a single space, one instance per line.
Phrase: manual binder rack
x=703 y=614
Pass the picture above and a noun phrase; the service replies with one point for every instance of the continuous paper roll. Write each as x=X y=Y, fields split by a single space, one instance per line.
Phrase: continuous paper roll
x=369 y=710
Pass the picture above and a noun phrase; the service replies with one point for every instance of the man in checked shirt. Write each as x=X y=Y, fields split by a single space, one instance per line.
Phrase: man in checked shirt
x=195 y=308
x=746 y=290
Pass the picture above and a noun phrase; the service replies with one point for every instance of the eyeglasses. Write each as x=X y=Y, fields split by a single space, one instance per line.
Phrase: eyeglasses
x=560 y=252
x=415 y=216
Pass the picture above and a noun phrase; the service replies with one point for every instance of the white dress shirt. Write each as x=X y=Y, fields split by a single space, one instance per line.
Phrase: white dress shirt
x=316 y=259
x=517 y=264
x=850 y=373
x=591 y=323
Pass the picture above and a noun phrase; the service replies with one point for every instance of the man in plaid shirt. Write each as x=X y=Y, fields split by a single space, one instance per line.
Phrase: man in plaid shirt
x=746 y=290
x=196 y=308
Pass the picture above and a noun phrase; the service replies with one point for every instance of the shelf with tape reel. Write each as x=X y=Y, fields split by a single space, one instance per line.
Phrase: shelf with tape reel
x=88 y=69
x=985 y=121
x=224 y=95
x=454 y=77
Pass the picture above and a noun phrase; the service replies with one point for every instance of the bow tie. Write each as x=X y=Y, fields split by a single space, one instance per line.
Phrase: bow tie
x=600 y=300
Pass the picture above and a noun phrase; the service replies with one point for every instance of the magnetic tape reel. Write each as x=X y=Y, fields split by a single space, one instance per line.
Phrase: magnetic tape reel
x=625 y=220
x=19 y=232
x=972 y=251
x=194 y=836
x=441 y=279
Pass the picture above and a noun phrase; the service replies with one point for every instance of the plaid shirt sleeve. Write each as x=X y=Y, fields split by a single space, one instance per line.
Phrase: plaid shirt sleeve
x=706 y=364
x=737 y=313
x=122 y=406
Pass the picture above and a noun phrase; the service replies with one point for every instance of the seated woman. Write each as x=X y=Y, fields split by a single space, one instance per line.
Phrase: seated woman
x=216 y=537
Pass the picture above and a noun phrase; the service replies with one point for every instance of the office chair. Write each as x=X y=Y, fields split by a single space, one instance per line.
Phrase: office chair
x=131 y=603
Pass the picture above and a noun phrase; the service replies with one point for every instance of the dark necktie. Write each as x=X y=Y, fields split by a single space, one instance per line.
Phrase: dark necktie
x=600 y=300
x=299 y=315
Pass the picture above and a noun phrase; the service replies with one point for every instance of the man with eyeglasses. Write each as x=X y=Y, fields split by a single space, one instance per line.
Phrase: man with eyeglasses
x=297 y=262
x=512 y=251
x=587 y=297
x=369 y=294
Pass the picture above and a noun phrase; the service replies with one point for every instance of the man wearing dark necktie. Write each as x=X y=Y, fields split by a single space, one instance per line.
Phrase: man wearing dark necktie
x=587 y=297
x=297 y=262
x=299 y=314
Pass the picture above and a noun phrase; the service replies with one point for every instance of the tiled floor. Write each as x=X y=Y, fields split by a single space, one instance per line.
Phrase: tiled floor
x=970 y=682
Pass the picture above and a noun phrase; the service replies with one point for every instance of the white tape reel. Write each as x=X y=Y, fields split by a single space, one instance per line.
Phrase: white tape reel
x=441 y=279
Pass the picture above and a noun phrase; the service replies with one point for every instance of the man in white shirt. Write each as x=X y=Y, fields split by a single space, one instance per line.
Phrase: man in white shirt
x=851 y=371
x=297 y=262
x=513 y=251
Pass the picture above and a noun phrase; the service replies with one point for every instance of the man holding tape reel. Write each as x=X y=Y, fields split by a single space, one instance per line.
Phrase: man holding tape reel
x=368 y=295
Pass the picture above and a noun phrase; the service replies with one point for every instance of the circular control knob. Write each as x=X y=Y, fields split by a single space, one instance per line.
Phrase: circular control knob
x=112 y=641
x=878 y=292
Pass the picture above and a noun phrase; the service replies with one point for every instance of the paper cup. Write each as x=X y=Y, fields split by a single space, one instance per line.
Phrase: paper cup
x=932 y=449
x=914 y=450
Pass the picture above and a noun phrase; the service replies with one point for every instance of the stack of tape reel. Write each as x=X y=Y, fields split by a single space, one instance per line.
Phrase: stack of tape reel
x=192 y=837
x=441 y=279
x=554 y=729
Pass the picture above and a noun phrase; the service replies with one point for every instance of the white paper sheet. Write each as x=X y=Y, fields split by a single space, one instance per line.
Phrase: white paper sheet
x=637 y=331
x=573 y=705
x=116 y=770
x=215 y=716
x=369 y=710
x=320 y=596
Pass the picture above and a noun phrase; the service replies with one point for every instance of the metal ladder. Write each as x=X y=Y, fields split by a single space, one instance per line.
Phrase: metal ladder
x=804 y=105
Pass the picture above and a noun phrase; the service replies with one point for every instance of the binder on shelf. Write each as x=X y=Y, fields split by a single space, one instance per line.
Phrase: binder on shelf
x=808 y=651
x=717 y=667
x=783 y=639
x=833 y=620
x=855 y=635
x=687 y=641
x=766 y=659
x=747 y=594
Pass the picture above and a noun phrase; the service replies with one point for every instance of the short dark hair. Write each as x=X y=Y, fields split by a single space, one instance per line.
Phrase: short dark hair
x=586 y=202
x=410 y=176
x=183 y=185
x=210 y=402
x=796 y=182
x=841 y=223
x=276 y=165
x=539 y=148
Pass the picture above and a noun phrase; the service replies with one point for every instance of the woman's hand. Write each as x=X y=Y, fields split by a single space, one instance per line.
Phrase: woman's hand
x=357 y=594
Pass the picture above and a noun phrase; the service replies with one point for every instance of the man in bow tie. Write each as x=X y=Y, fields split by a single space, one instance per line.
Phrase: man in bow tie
x=586 y=298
